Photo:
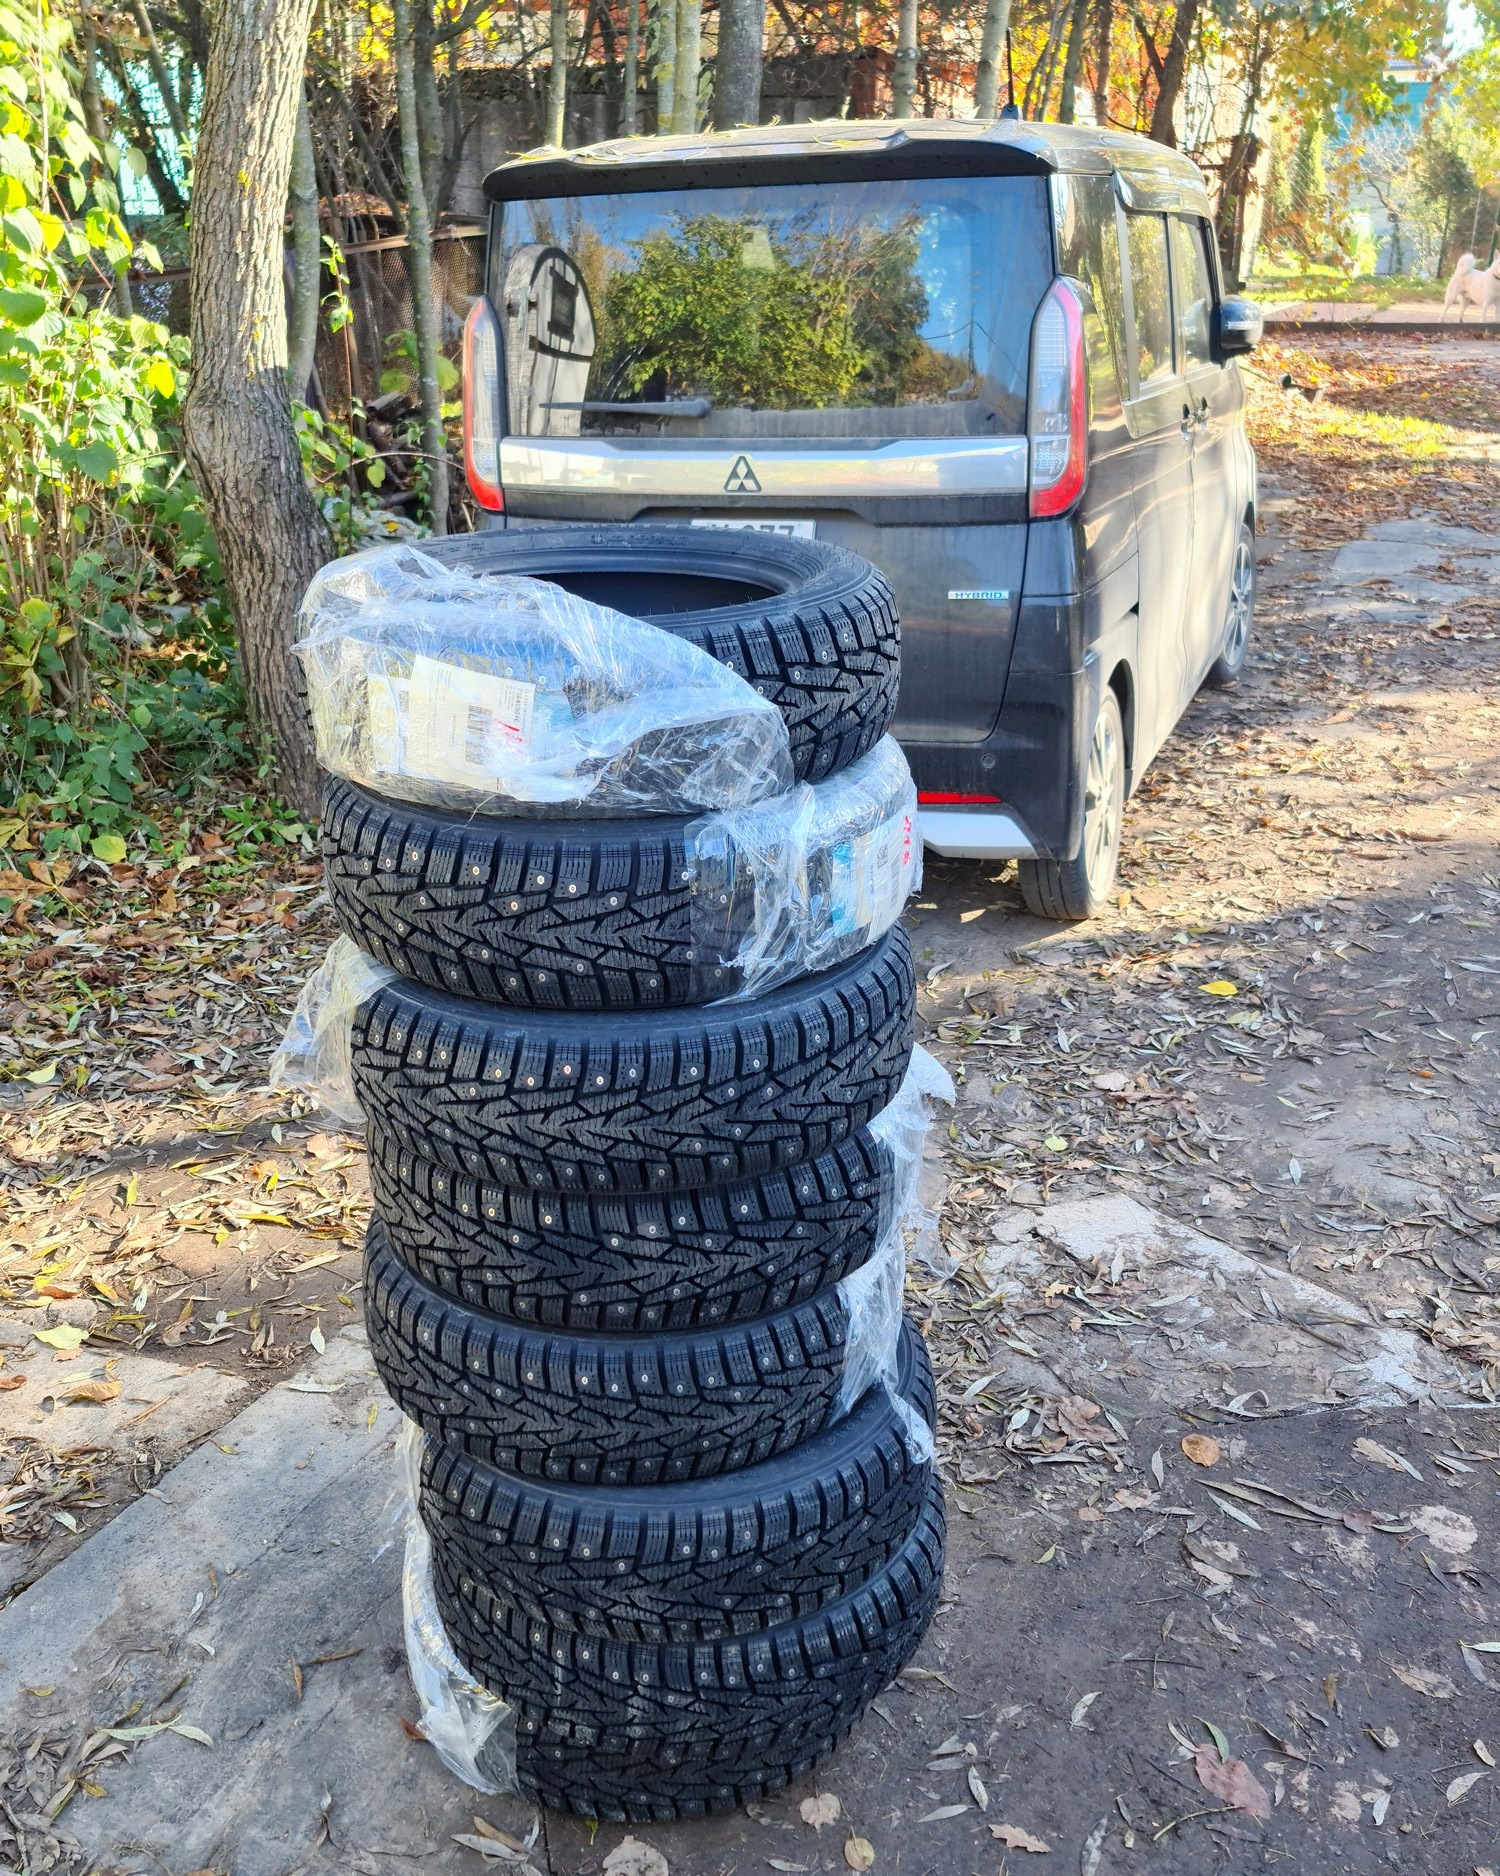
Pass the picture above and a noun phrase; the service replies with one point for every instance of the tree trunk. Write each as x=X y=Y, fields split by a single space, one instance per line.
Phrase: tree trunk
x=666 y=65
x=904 y=75
x=631 y=82
x=737 y=74
x=419 y=262
x=1039 y=84
x=689 y=65
x=431 y=131
x=1173 y=71
x=237 y=419
x=1073 y=64
x=991 y=48
x=557 y=84
x=307 y=252
x=93 y=116
x=1104 y=33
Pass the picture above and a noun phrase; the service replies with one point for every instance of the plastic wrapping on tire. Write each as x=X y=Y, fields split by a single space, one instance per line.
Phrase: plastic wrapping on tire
x=794 y=886
x=312 y=1057
x=905 y=1128
x=472 y=1730
x=872 y=1295
x=433 y=684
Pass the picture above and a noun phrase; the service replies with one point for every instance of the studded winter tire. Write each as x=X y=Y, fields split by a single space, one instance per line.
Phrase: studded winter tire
x=809 y=625
x=690 y=1562
x=646 y=1261
x=648 y=1102
x=600 y=1409
x=646 y=1731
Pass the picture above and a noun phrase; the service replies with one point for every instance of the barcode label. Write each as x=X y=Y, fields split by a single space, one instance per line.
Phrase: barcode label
x=462 y=726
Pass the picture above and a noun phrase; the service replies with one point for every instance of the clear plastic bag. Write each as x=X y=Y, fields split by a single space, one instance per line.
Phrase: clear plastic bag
x=872 y=1295
x=796 y=885
x=472 y=1730
x=905 y=1127
x=431 y=683
x=312 y=1057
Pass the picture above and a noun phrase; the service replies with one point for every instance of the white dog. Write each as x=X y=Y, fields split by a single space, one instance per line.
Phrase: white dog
x=1473 y=285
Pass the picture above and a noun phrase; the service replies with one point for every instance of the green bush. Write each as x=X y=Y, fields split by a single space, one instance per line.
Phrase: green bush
x=115 y=651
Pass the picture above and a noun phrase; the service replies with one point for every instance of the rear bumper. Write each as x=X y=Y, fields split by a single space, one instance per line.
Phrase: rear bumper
x=974 y=834
x=1030 y=761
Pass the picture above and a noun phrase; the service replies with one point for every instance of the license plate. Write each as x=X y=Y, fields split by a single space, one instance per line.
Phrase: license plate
x=766 y=524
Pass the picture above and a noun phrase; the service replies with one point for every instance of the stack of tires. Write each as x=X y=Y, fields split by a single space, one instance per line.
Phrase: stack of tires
x=612 y=1215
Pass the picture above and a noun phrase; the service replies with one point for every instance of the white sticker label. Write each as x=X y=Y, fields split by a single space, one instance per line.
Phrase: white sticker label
x=465 y=726
x=385 y=715
x=872 y=875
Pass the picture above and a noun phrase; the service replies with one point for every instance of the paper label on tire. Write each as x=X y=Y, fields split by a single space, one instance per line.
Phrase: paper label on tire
x=872 y=874
x=464 y=726
x=386 y=706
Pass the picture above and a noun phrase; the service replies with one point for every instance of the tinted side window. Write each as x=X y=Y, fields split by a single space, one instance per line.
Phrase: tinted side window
x=1147 y=235
x=1089 y=249
x=1195 y=295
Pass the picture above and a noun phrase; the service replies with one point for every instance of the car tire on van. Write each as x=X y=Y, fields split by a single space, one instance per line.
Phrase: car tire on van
x=1080 y=887
x=1239 y=611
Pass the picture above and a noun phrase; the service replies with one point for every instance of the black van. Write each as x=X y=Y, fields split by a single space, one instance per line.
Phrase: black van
x=994 y=358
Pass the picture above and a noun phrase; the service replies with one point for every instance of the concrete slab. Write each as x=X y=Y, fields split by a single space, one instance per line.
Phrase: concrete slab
x=170 y=1403
x=269 y=1544
x=1294 y=1341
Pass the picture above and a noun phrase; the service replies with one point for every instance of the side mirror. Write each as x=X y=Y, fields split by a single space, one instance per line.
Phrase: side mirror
x=1241 y=324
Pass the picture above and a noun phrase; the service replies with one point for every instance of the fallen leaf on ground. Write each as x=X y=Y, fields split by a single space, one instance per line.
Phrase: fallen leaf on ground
x=631 y=1857
x=859 y=1853
x=1015 y=1839
x=943 y=1811
x=977 y=1786
x=1444 y=1529
x=1461 y=1787
x=65 y=1335
x=489 y=1847
x=1203 y=1449
x=1232 y=1782
x=1482 y=1751
x=81 y=1389
x=1379 y=1455
x=821 y=1810
x=1425 y=1681
x=1221 y=987
x=1076 y=1718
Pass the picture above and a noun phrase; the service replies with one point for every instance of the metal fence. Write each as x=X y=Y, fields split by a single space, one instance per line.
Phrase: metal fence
x=351 y=360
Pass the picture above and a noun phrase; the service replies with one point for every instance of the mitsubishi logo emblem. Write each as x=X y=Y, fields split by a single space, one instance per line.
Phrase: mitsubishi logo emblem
x=742 y=479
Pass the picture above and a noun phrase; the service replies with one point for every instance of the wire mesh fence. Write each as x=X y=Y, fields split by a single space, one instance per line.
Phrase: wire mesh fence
x=351 y=360
x=351 y=354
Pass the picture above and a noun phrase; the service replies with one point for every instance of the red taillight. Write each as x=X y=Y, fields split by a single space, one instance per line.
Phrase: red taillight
x=482 y=406
x=1059 y=402
x=956 y=801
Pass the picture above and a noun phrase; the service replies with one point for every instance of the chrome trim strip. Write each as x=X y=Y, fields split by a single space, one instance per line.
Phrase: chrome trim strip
x=974 y=834
x=945 y=465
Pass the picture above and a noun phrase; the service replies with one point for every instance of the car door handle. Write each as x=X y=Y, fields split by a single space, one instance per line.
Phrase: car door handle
x=1189 y=423
x=1203 y=413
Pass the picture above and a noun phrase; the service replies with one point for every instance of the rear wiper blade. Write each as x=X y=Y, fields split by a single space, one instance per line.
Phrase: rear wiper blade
x=683 y=407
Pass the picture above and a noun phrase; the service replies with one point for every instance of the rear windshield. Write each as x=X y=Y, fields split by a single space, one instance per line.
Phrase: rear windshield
x=880 y=309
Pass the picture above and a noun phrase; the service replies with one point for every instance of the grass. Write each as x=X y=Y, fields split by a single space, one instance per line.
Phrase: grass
x=1378 y=290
